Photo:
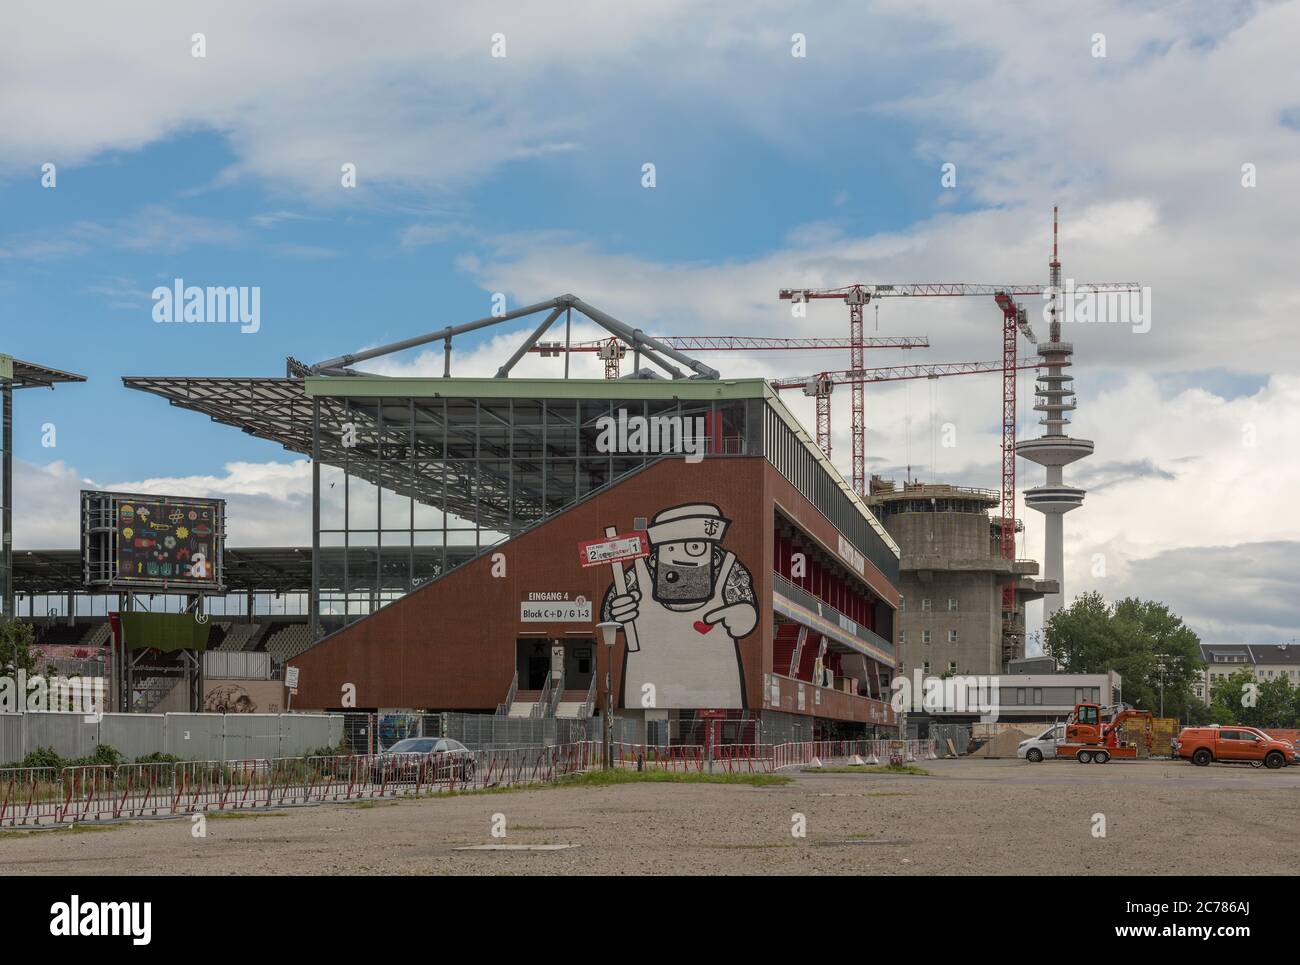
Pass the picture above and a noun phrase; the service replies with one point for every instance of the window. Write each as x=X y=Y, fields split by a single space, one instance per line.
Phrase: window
x=902 y=603
x=952 y=604
x=952 y=666
x=1020 y=695
x=925 y=668
x=925 y=604
x=925 y=636
x=1038 y=695
x=902 y=636
x=952 y=636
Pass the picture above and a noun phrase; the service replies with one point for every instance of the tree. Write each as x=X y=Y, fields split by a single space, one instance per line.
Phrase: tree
x=1233 y=697
x=1140 y=639
x=16 y=639
x=1241 y=699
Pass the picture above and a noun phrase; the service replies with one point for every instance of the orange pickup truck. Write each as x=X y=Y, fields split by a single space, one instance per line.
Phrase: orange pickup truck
x=1234 y=745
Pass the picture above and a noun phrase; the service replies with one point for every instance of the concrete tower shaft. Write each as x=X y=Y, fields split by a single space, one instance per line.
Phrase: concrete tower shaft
x=1054 y=449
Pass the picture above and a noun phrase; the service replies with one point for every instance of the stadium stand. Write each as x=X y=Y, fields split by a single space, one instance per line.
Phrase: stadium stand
x=237 y=636
x=287 y=641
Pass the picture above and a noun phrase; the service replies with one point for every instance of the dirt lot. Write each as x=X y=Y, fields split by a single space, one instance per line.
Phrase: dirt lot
x=966 y=817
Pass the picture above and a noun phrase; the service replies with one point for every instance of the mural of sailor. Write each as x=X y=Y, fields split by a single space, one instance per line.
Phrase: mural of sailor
x=689 y=601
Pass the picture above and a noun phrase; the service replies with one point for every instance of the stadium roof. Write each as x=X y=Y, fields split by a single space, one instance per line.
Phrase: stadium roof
x=351 y=402
x=31 y=375
x=260 y=569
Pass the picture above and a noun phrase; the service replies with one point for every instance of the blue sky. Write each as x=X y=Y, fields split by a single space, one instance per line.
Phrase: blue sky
x=522 y=175
x=335 y=277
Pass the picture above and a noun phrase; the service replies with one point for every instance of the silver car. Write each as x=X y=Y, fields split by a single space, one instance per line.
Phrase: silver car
x=1044 y=745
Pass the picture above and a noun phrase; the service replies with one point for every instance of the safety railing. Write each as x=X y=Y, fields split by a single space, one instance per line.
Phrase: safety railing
x=47 y=796
x=589 y=706
x=544 y=698
x=745 y=758
x=557 y=693
x=896 y=752
x=29 y=795
x=671 y=757
x=503 y=709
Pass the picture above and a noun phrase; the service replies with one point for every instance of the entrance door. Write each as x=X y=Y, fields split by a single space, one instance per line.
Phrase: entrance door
x=538 y=668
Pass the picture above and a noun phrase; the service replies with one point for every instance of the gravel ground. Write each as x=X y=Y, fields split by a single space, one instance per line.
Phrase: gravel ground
x=967 y=817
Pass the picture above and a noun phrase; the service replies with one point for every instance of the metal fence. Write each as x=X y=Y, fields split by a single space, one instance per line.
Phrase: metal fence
x=189 y=736
x=372 y=733
x=46 y=796
x=49 y=796
x=767 y=758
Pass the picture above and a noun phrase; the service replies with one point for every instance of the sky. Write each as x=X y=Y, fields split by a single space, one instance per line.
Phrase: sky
x=501 y=148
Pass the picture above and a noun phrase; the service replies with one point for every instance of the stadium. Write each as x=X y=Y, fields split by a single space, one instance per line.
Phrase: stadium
x=762 y=589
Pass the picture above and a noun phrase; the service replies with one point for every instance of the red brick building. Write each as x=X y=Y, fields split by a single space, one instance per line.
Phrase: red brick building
x=448 y=516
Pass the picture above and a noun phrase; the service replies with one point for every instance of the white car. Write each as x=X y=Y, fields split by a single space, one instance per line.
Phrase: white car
x=1044 y=745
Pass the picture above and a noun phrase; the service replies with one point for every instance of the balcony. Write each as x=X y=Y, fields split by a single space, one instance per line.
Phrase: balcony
x=798 y=604
x=800 y=697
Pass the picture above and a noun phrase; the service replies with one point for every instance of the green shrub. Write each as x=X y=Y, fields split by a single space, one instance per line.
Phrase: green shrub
x=41 y=757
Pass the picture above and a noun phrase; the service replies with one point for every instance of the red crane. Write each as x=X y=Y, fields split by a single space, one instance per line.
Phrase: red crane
x=821 y=384
x=858 y=296
x=612 y=350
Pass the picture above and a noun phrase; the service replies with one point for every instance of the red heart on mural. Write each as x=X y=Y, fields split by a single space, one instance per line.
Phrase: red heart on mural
x=702 y=627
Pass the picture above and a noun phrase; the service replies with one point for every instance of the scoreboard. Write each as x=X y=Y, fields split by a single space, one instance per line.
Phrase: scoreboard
x=134 y=541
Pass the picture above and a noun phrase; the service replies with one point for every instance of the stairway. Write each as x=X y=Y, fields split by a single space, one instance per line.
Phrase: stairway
x=524 y=704
x=572 y=705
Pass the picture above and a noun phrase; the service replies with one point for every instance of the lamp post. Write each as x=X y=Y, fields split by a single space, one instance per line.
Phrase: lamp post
x=609 y=636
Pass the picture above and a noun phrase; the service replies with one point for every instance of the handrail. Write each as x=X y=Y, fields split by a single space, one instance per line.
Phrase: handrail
x=557 y=693
x=504 y=709
x=543 y=699
x=589 y=706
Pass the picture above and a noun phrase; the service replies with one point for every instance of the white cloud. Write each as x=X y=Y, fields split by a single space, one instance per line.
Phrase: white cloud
x=267 y=504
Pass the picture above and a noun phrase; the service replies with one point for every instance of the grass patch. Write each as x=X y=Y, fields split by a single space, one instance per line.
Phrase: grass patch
x=606 y=778
x=868 y=769
x=240 y=815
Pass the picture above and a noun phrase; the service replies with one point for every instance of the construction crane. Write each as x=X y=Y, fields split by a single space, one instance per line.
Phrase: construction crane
x=820 y=385
x=857 y=297
x=613 y=350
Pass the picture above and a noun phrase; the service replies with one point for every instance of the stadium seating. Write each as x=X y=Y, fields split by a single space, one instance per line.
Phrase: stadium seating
x=287 y=641
x=237 y=635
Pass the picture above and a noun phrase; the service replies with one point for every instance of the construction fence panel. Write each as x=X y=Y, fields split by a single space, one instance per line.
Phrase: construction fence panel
x=133 y=735
x=487 y=731
x=302 y=734
x=196 y=737
x=250 y=737
x=12 y=743
x=951 y=740
x=358 y=732
x=70 y=735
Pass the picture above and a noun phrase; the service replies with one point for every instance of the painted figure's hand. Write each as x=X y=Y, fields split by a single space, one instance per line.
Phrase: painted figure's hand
x=623 y=608
x=739 y=618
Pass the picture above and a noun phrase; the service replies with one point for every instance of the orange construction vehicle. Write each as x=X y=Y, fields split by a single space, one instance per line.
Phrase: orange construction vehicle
x=1090 y=739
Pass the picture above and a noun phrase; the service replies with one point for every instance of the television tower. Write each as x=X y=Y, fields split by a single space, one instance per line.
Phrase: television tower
x=1054 y=449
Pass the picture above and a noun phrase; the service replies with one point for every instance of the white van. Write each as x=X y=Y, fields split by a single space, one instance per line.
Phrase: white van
x=1044 y=745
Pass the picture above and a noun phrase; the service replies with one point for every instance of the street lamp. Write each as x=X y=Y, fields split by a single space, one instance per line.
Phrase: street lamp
x=609 y=636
